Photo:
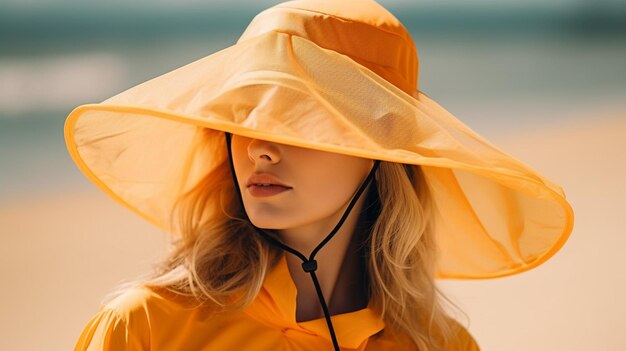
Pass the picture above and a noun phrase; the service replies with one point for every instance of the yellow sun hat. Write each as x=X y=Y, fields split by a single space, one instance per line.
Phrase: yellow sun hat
x=336 y=76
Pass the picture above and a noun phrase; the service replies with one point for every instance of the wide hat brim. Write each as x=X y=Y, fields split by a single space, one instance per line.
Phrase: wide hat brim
x=145 y=146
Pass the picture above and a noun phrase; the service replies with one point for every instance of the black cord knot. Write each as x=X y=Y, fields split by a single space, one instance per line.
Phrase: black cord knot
x=309 y=266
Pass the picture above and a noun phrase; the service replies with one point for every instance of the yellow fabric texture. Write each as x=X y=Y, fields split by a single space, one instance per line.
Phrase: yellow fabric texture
x=337 y=76
x=147 y=319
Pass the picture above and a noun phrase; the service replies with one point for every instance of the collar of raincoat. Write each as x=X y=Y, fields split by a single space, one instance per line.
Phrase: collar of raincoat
x=275 y=305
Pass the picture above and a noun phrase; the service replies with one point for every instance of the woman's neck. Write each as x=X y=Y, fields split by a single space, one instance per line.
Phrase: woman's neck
x=340 y=269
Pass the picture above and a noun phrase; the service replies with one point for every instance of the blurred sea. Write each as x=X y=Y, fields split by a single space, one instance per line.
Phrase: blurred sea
x=497 y=70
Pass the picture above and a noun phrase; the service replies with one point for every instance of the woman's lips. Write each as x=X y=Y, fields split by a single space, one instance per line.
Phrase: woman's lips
x=265 y=191
x=264 y=178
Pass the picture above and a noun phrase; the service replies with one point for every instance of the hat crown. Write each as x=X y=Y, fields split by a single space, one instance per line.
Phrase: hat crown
x=362 y=29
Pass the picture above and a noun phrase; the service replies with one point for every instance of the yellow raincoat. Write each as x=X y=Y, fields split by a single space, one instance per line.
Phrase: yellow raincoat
x=146 y=319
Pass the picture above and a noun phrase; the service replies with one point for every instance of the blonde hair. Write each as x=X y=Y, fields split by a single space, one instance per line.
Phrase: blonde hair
x=400 y=249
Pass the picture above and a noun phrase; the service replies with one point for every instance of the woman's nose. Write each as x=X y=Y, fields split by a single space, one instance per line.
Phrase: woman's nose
x=263 y=151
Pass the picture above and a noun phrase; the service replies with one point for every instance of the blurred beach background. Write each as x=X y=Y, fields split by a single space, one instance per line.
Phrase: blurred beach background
x=543 y=80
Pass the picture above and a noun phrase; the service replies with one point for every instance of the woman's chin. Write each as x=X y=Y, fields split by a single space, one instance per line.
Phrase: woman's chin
x=267 y=223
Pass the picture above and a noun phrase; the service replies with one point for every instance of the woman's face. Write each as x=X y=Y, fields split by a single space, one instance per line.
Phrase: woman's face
x=321 y=184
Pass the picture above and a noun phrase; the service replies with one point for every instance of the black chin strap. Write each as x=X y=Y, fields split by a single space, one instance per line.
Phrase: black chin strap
x=308 y=265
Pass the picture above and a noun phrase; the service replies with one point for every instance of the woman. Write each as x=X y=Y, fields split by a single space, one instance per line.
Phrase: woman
x=314 y=191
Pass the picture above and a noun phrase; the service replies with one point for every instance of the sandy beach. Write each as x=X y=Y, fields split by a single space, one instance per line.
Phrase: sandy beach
x=61 y=255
